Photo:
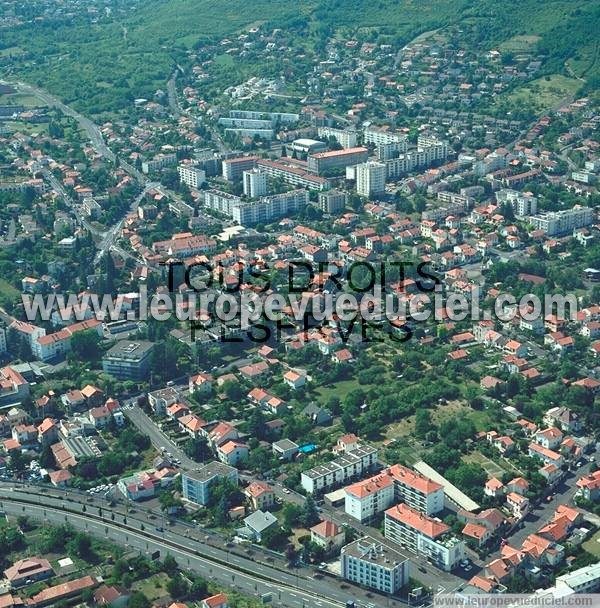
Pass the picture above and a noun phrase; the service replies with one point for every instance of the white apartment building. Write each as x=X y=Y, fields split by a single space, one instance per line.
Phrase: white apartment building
x=367 y=498
x=233 y=168
x=583 y=580
x=160 y=161
x=194 y=177
x=379 y=137
x=255 y=183
x=421 y=157
x=522 y=203
x=268 y=208
x=423 y=535
x=293 y=175
x=332 y=201
x=416 y=490
x=196 y=485
x=555 y=223
x=391 y=150
x=345 y=468
x=370 y=179
x=368 y=563
x=274 y=117
x=345 y=137
x=220 y=201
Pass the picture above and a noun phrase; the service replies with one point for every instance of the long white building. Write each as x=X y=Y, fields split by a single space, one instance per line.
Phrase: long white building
x=522 y=203
x=414 y=159
x=334 y=474
x=379 y=136
x=555 y=223
x=264 y=209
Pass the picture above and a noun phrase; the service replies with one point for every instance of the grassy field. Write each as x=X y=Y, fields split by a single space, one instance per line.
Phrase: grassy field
x=458 y=409
x=493 y=469
x=29 y=101
x=154 y=588
x=7 y=291
x=592 y=545
x=546 y=92
x=519 y=44
x=29 y=128
x=339 y=389
x=11 y=51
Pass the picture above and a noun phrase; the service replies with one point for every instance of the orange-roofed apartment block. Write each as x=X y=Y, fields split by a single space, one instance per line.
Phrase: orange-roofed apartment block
x=424 y=535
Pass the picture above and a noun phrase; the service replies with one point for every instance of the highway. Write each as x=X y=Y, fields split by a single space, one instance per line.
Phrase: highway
x=428 y=574
x=193 y=549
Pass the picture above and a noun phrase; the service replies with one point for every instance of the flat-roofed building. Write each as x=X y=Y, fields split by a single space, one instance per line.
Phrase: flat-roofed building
x=333 y=474
x=369 y=563
x=196 y=485
x=347 y=138
x=370 y=179
x=332 y=201
x=255 y=183
x=336 y=160
x=233 y=168
x=192 y=176
x=128 y=360
x=306 y=146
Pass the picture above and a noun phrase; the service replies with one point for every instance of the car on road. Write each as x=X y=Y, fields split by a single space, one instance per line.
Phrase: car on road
x=286 y=491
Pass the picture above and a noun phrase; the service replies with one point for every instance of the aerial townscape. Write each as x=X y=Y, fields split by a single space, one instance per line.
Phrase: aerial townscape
x=299 y=302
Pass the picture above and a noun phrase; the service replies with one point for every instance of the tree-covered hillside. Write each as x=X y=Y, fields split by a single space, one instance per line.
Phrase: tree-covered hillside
x=102 y=66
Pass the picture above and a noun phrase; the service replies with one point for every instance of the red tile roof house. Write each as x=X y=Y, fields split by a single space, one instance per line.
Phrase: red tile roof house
x=518 y=485
x=200 y=383
x=60 y=478
x=494 y=487
x=29 y=569
x=215 y=601
x=261 y=495
x=328 y=535
x=52 y=595
x=100 y=416
x=293 y=379
x=115 y=597
x=476 y=532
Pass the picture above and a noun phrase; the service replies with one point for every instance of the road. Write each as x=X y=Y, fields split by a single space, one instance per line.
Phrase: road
x=540 y=514
x=430 y=576
x=111 y=236
x=93 y=131
x=191 y=548
x=146 y=425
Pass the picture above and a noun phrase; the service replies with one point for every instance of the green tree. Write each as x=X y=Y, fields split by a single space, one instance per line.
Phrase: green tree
x=177 y=587
x=139 y=600
x=85 y=345
x=310 y=514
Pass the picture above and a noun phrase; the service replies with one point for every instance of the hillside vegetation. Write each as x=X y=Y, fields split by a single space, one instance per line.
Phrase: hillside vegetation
x=102 y=67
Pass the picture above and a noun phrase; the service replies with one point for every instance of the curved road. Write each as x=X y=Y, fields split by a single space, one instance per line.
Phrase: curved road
x=218 y=563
